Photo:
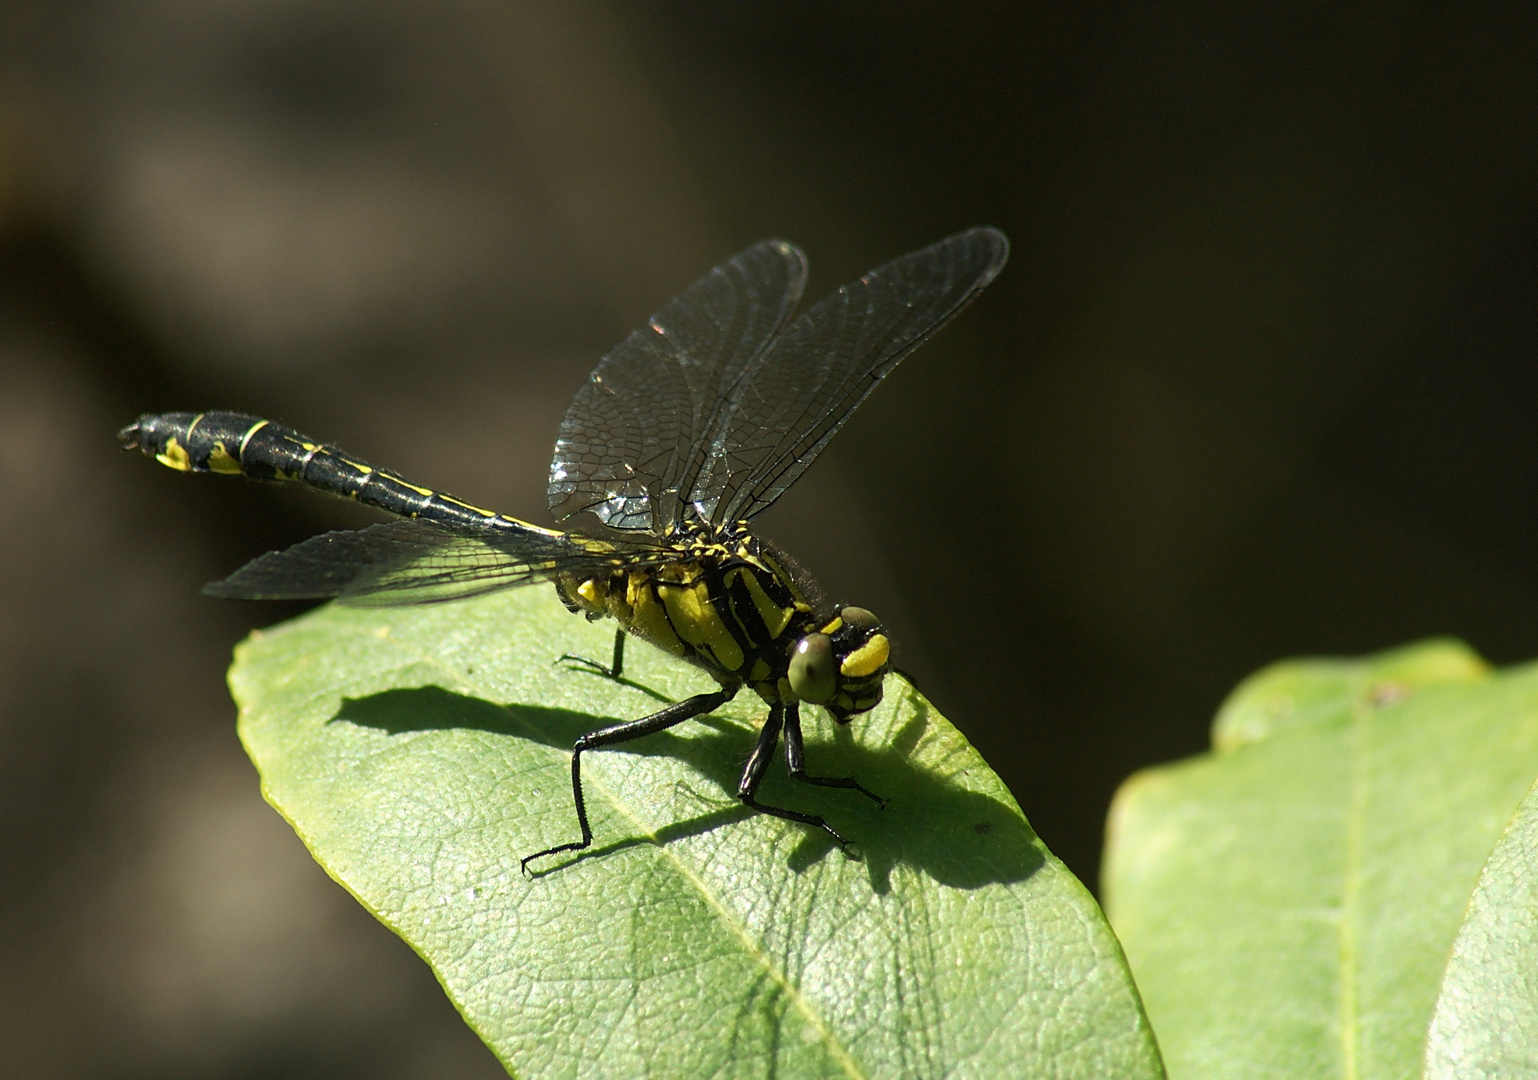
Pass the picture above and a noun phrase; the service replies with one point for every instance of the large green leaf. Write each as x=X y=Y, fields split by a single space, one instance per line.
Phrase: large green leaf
x=420 y=752
x=1486 y=1022
x=1288 y=902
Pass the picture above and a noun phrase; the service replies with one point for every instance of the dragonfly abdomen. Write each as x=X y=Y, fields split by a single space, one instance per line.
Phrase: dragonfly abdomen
x=236 y=444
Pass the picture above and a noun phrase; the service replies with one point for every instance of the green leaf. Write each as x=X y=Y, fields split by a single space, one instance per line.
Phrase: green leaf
x=419 y=752
x=1297 y=693
x=1288 y=902
x=1486 y=1021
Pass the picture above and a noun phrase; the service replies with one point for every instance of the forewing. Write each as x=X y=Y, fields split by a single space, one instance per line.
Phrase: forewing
x=396 y=563
x=634 y=436
x=795 y=396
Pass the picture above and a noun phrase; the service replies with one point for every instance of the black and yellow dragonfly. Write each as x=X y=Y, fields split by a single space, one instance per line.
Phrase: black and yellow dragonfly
x=688 y=430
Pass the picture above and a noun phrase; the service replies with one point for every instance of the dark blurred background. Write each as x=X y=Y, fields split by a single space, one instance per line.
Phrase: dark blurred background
x=1258 y=381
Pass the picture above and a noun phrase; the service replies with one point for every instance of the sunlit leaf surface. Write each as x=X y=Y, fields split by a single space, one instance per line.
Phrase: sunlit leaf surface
x=1288 y=901
x=420 y=752
x=1486 y=1022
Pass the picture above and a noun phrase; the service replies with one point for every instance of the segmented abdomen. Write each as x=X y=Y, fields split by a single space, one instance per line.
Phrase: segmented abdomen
x=239 y=445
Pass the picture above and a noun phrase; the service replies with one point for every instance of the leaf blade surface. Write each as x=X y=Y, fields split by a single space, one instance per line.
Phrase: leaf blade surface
x=1486 y=1020
x=420 y=752
x=1287 y=902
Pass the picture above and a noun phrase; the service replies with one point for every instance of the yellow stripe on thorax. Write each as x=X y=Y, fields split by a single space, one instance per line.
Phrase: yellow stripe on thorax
x=775 y=618
x=695 y=619
x=647 y=616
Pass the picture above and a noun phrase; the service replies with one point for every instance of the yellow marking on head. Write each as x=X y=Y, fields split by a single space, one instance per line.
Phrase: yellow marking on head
x=760 y=670
x=833 y=626
x=174 y=457
x=786 y=693
x=868 y=658
x=253 y=430
x=219 y=461
x=697 y=622
x=775 y=617
x=647 y=617
x=845 y=702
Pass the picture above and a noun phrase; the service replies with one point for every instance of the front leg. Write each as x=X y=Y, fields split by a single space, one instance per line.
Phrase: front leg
x=795 y=760
x=758 y=765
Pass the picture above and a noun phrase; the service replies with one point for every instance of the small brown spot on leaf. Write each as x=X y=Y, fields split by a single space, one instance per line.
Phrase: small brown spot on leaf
x=1388 y=693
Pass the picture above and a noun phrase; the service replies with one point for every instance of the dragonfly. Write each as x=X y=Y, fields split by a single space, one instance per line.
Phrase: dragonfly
x=684 y=433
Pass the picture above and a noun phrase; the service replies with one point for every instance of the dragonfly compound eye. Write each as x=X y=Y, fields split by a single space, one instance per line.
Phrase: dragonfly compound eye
x=813 y=672
x=859 y=619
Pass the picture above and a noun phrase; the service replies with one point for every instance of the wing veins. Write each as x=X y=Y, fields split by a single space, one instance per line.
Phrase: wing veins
x=408 y=562
x=633 y=441
x=781 y=411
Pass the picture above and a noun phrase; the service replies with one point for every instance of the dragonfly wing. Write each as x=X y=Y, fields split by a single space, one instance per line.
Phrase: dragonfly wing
x=794 y=396
x=396 y=563
x=634 y=436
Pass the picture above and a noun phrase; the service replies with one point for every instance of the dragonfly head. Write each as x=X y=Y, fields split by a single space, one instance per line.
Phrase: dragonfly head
x=840 y=667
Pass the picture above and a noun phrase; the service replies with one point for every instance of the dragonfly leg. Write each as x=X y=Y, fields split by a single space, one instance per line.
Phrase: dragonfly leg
x=795 y=760
x=758 y=765
x=661 y=720
x=905 y=674
x=608 y=671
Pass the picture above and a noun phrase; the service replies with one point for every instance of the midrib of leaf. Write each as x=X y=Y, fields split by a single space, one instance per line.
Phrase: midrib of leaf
x=735 y=926
x=1351 y=889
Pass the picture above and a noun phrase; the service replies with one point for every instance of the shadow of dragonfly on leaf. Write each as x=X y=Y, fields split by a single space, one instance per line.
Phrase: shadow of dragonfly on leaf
x=960 y=838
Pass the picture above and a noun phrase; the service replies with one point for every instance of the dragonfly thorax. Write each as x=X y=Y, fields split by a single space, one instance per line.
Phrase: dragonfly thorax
x=729 y=606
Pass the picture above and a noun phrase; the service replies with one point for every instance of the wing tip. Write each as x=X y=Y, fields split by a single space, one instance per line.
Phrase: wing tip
x=994 y=241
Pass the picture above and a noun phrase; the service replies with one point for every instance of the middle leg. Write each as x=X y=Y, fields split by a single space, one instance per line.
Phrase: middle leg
x=608 y=671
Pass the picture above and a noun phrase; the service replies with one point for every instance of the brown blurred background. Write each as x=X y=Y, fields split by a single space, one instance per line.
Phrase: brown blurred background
x=1259 y=381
